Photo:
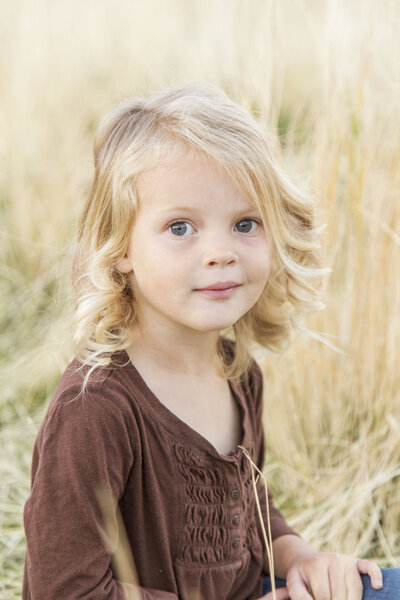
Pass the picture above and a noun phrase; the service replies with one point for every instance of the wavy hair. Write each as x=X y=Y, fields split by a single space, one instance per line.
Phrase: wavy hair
x=141 y=134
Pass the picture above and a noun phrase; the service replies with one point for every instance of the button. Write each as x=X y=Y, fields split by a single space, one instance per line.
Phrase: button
x=235 y=494
x=235 y=520
x=236 y=542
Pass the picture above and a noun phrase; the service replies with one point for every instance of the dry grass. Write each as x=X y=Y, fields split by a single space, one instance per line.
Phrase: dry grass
x=327 y=75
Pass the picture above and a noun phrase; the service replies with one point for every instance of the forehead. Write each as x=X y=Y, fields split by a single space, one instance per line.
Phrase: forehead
x=190 y=181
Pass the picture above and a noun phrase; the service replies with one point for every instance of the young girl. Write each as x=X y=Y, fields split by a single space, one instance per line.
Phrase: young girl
x=191 y=234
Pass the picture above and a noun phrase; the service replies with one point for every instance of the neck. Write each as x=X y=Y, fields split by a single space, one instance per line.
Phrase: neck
x=188 y=354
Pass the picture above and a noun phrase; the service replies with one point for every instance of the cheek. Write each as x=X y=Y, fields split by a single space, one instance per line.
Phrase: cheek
x=155 y=271
x=261 y=264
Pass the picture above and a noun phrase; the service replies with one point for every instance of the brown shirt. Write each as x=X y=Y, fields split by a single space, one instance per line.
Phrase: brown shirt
x=189 y=512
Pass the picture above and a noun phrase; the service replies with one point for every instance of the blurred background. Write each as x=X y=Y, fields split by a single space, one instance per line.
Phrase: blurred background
x=324 y=75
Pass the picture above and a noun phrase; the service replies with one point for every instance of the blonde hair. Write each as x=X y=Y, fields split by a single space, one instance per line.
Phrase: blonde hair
x=141 y=134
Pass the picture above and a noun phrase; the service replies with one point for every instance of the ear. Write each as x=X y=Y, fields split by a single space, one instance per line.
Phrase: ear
x=124 y=264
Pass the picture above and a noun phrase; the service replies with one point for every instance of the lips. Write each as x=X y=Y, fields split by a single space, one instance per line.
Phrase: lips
x=221 y=285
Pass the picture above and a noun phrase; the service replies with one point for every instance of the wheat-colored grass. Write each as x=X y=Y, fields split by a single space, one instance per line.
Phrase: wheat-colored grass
x=326 y=75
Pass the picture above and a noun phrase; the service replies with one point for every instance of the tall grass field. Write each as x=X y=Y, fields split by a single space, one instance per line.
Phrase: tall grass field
x=324 y=75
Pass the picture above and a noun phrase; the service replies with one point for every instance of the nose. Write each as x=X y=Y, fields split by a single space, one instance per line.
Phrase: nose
x=220 y=255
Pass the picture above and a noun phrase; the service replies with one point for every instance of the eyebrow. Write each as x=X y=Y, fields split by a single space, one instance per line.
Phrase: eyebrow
x=186 y=209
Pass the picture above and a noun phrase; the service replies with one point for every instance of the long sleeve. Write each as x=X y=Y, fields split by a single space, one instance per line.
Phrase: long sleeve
x=279 y=526
x=83 y=448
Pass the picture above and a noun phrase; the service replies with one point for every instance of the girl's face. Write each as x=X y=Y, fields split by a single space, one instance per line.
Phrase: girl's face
x=194 y=229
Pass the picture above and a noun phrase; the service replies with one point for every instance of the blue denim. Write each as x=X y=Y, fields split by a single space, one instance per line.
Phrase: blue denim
x=390 y=590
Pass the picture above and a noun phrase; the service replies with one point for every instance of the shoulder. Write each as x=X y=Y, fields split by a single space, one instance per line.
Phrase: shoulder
x=255 y=390
x=251 y=383
x=86 y=437
x=104 y=407
x=109 y=386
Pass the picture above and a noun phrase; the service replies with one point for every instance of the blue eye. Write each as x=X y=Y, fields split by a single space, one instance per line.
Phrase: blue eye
x=184 y=228
x=179 y=228
x=245 y=225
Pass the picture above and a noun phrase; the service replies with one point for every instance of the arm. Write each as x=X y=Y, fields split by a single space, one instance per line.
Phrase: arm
x=279 y=527
x=305 y=569
x=83 y=445
x=286 y=549
x=321 y=573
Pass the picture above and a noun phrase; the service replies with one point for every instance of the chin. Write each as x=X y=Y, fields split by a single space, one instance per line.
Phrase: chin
x=215 y=326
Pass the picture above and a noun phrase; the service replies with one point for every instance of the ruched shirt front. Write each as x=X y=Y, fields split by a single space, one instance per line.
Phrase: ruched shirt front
x=188 y=513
